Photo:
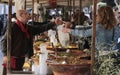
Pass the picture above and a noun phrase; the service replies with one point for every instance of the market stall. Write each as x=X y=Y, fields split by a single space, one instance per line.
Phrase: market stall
x=84 y=61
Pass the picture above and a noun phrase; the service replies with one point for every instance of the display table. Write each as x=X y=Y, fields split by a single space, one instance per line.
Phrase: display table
x=21 y=73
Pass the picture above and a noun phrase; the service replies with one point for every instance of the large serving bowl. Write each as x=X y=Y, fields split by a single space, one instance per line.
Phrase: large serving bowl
x=65 y=69
x=77 y=63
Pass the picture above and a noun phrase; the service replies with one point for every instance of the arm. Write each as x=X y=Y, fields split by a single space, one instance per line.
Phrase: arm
x=81 y=32
x=41 y=28
x=4 y=48
x=116 y=33
x=4 y=44
x=38 y=23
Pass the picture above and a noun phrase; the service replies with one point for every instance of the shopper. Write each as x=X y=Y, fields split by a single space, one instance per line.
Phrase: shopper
x=22 y=39
x=105 y=28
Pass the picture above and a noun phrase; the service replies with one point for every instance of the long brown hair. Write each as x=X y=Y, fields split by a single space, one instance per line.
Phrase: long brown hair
x=107 y=17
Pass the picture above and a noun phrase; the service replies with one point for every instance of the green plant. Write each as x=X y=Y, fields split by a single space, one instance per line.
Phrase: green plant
x=107 y=64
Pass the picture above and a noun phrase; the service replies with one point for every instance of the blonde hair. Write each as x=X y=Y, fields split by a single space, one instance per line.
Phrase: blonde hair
x=107 y=17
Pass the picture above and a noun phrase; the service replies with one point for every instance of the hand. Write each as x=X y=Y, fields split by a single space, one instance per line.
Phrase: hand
x=58 y=21
x=67 y=24
x=67 y=30
x=52 y=20
x=5 y=59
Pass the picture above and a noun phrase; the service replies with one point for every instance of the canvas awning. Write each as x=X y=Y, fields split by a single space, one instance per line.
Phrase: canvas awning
x=59 y=2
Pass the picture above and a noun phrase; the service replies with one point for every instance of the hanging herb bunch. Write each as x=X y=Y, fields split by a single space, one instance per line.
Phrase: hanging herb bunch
x=108 y=63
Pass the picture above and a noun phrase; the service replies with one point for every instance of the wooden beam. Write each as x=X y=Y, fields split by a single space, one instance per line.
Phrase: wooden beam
x=9 y=35
x=32 y=11
x=6 y=1
x=80 y=7
x=30 y=1
x=73 y=5
x=93 y=36
x=25 y=4
x=38 y=1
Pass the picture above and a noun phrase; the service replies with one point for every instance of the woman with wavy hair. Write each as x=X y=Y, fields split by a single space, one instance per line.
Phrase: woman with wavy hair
x=105 y=28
